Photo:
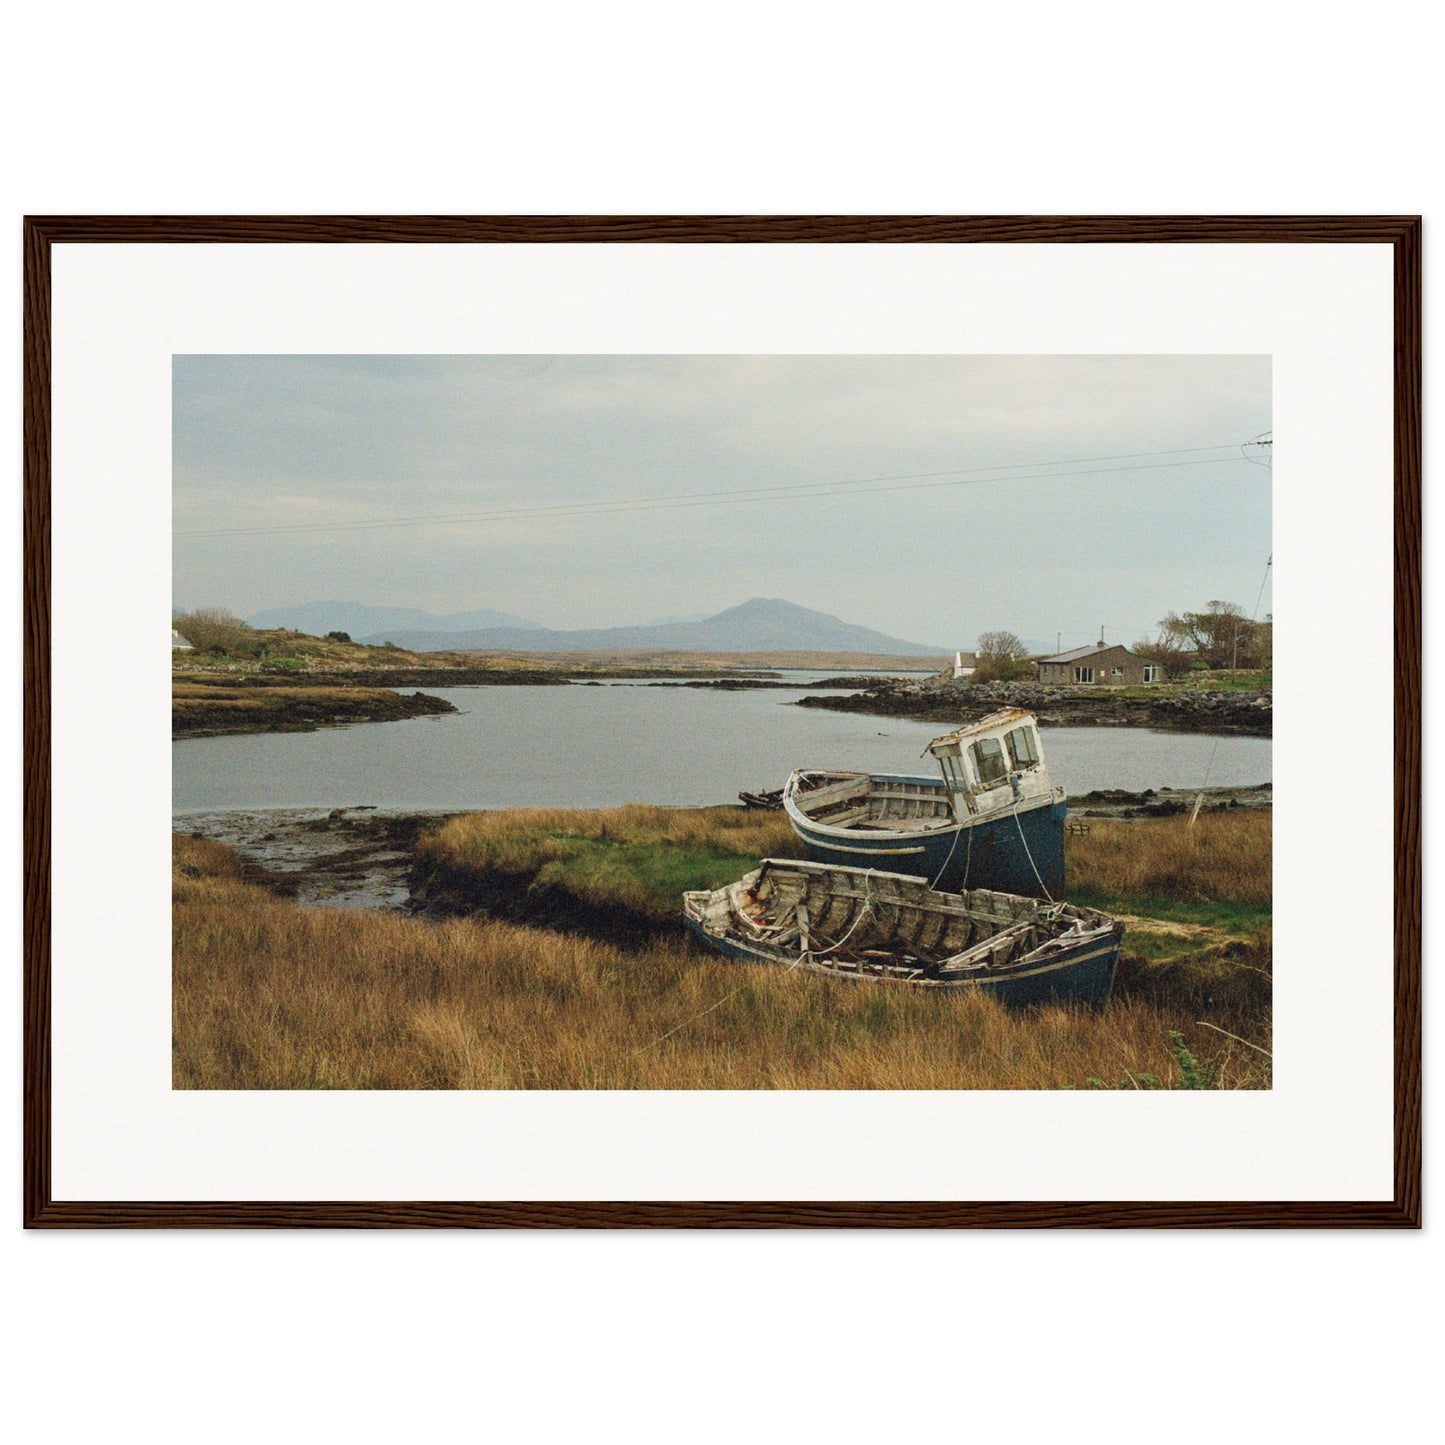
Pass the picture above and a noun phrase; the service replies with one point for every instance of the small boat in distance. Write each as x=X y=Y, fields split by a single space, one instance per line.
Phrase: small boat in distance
x=993 y=820
x=857 y=923
x=770 y=801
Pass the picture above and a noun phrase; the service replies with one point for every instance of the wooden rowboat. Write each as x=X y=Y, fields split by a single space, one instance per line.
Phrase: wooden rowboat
x=858 y=923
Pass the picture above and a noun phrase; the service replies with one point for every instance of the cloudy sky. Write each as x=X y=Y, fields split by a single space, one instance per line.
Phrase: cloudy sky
x=931 y=497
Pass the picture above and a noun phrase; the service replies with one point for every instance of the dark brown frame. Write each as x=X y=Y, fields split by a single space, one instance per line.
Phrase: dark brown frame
x=1402 y=233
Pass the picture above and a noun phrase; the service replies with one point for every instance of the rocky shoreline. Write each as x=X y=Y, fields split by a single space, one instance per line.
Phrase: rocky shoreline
x=254 y=705
x=1169 y=802
x=1167 y=708
x=358 y=857
x=745 y=684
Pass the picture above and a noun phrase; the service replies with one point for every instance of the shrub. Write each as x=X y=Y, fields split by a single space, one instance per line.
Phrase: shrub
x=214 y=629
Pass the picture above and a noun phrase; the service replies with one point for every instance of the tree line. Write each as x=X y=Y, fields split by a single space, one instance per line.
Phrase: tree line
x=1219 y=637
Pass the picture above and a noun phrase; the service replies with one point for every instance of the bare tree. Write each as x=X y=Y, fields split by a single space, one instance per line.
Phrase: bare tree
x=1167 y=649
x=1001 y=658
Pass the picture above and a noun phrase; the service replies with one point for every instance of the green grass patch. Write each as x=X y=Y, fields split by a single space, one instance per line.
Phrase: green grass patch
x=648 y=877
x=640 y=857
x=1226 y=915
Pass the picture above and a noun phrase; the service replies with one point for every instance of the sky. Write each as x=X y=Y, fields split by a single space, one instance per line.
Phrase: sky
x=930 y=497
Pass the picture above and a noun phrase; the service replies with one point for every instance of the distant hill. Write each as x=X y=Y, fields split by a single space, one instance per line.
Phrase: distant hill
x=381 y=623
x=764 y=624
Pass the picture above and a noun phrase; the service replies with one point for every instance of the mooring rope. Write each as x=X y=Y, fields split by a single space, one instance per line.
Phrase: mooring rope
x=956 y=832
x=802 y=957
x=697 y=1016
x=1018 y=822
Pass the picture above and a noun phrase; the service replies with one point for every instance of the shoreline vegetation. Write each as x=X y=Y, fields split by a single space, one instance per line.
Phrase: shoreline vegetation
x=1211 y=704
x=551 y=955
x=283 y=681
x=288 y=681
x=212 y=707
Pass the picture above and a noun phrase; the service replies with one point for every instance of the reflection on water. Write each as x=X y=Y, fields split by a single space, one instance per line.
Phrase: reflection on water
x=599 y=746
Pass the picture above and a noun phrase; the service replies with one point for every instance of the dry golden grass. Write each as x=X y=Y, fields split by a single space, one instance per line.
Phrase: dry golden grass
x=1225 y=858
x=1197 y=907
x=268 y=995
x=213 y=706
x=523 y=836
x=262 y=649
x=243 y=700
x=640 y=856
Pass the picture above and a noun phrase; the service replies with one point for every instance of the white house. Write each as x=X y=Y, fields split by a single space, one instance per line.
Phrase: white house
x=964 y=664
x=179 y=643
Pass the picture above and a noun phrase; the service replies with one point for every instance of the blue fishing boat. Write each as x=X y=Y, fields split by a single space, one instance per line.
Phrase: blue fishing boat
x=861 y=924
x=992 y=820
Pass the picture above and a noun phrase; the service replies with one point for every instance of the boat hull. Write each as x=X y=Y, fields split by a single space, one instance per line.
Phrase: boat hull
x=1081 y=978
x=1019 y=852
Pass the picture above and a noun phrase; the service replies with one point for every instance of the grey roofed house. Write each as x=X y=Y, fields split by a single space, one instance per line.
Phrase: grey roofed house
x=1099 y=664
x=178 y=642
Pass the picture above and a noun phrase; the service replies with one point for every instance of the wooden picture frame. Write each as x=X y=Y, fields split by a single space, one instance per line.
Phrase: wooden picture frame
x=1402 y=234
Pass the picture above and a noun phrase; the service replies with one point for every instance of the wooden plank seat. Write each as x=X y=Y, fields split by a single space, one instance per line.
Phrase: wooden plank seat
x=905 y=825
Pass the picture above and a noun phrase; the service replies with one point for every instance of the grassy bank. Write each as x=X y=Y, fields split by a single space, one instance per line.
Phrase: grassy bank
x=268 y=995
x=1217 y=870
x=268 y=680
x=280 y=650
x=251 y=651
x=638 y=858
x=210 y=707
x=1198 y=911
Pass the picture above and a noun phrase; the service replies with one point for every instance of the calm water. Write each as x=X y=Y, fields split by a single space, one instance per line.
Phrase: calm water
x=599 y=746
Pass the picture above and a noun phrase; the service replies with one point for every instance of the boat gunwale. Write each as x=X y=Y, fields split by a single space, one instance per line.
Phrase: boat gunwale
x=1086 y=950
x=1100 y=930
x=801 y=820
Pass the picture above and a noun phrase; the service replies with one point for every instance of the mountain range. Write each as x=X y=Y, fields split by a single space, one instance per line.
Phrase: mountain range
x=358 y=618
x=763 y=624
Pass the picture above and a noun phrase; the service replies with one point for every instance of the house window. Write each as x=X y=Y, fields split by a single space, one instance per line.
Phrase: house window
x=1118 y=672
x=1023 y=748
x=1151 y=672
x=988 y=759
x=1083 y=674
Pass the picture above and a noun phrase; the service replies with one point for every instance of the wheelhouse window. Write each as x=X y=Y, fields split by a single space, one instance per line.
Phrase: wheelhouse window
x=989 y=760
x=953 y=775
x=1023 y=748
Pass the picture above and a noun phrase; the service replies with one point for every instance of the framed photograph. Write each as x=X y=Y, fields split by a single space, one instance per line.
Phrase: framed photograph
x=722 y=722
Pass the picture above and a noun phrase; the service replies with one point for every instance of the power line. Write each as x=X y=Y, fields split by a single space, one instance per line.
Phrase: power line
x=861 y=486
x=1259 y=596
x=1264 y=439
x=1209 y=767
